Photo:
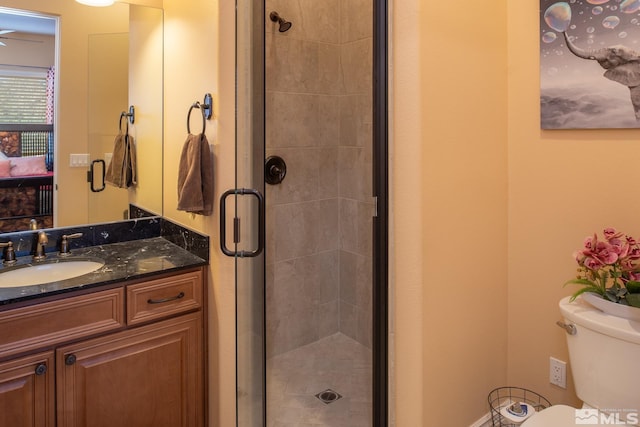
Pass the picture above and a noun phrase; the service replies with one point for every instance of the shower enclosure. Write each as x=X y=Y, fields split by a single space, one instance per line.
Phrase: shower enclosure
x=310 y=209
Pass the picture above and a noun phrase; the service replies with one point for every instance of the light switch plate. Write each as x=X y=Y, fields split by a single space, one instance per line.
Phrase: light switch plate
x=79 y=160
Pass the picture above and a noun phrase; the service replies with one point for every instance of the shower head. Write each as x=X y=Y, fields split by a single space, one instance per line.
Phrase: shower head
x=283 y=25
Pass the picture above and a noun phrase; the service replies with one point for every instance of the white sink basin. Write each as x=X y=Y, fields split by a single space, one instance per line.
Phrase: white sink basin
x=46 y=272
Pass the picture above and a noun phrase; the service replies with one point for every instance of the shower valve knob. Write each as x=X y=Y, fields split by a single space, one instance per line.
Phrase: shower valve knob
x=275 y=169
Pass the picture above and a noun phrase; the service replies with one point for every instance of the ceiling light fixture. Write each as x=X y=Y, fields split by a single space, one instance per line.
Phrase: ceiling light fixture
x=98 y=3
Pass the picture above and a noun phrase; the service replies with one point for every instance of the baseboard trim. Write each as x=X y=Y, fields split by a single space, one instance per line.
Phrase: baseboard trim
x=485 y=421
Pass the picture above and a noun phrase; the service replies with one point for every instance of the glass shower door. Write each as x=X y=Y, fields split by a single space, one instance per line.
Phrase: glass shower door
x=305 y=310
x=248 y=226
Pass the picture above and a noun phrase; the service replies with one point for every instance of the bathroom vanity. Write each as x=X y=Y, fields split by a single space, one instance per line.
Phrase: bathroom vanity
x=121 y=346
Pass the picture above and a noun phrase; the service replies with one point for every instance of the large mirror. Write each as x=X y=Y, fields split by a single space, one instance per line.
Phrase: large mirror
x=95 y=64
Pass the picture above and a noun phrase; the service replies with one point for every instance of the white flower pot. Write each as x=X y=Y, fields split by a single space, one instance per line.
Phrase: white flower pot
x=619 y=310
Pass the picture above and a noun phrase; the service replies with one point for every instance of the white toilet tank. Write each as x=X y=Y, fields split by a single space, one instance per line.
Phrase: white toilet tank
x=604 y=358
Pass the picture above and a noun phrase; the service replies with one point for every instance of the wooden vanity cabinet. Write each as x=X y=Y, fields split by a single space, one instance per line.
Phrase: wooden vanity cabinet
x=149 y=372
x=149 y=376
x=27 y=391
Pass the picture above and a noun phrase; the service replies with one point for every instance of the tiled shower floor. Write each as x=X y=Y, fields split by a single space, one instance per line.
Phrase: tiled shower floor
x=294 y=378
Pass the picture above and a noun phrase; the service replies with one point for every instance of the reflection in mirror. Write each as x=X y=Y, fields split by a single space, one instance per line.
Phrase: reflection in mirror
x=108 y=59
x=129 y=62
x=27 y=80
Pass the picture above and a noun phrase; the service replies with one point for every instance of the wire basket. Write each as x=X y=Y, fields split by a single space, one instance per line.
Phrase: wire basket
x=503 y=397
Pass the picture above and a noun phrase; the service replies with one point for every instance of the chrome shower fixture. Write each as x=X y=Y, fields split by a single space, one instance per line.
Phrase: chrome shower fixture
x=283 y=24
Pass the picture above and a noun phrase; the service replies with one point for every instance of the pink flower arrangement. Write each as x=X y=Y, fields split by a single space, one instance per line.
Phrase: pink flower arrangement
x=608 y=267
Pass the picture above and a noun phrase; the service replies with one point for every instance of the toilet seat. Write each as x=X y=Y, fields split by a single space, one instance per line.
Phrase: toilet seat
x=553 y=416
x=556 y=416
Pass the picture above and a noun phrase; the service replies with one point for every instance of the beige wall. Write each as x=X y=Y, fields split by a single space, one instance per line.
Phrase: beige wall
x=146 y=95
x=449 y=183
x=42 y=54
x=405 y=267
x=108 y=61
x=552 y=207
x=519 y=193
x=199 y=58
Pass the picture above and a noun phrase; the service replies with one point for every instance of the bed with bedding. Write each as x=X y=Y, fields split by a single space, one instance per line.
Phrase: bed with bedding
x=26 y=178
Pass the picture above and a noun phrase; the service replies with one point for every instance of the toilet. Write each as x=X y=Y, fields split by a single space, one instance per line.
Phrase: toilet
x=604 y=355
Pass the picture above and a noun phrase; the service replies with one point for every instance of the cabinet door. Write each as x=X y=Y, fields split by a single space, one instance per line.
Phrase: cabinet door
x=149 y=376
x=27 y=391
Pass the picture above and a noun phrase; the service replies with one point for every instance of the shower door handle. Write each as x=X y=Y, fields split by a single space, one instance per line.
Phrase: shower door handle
x=236 y=223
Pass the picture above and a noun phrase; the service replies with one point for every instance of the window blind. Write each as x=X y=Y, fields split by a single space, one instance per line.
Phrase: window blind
x=23 y=99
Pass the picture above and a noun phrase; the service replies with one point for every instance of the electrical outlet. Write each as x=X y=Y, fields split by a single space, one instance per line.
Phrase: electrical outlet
x=558 y=372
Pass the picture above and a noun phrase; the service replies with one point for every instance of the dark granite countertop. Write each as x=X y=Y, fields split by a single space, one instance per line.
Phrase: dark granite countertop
x=122 y=261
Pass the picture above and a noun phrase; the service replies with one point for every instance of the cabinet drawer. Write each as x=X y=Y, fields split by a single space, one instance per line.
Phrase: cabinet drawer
x=42 y=325
x=164 y=297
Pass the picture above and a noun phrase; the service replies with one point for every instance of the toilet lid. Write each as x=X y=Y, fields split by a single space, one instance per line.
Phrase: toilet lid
x=556 y=416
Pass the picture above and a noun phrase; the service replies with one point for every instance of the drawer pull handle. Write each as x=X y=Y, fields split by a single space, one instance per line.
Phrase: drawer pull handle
x=163 y=300
x=70 y=360
x=41 y=369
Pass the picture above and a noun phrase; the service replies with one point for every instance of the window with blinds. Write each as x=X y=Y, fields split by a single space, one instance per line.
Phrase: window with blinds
x=23 y=99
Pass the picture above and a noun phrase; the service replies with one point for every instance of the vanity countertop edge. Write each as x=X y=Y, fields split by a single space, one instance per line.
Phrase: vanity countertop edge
x=123 y=261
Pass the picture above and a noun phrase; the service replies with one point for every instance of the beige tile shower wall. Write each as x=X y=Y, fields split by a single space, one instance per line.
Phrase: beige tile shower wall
x=355 y=170
x=319 y=219
x=304 y=88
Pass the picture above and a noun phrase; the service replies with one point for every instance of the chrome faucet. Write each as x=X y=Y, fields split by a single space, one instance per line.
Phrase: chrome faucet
x=41 y=244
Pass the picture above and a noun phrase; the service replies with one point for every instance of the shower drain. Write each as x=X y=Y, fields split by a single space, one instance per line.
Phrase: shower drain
x=328 y=396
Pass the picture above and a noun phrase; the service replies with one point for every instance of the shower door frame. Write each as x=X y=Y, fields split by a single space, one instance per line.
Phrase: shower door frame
x=380 y=227
x=380 y=178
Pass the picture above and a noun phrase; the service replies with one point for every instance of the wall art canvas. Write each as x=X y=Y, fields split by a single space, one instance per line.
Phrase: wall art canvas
x=589 y=64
